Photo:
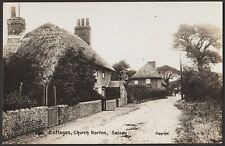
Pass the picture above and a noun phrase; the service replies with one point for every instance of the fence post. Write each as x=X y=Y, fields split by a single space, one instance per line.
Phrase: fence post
x=21 y=88
x=54 y=88
x=46 y=96
x=43 y=98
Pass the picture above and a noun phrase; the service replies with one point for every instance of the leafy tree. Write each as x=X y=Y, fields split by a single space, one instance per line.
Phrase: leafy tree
x=168 y=72
x=130 y=73
x=74 y=78
x=201 y=85
x=200 y=43
x=20 y=69
x=120 y=69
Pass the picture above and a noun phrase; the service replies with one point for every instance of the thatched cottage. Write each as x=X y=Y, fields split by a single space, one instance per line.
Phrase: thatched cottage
x=48 y=43
x=147 y=75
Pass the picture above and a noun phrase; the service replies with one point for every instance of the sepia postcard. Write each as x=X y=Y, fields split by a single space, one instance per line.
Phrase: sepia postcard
x=112 y=73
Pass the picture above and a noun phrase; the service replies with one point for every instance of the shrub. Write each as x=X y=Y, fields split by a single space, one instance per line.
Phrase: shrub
x=90 y=96
x=200 y=122
x=201 y=85
x=19 y=69
x=68 y=95
x=15 y=101
x=141 y=92
x=74 y=78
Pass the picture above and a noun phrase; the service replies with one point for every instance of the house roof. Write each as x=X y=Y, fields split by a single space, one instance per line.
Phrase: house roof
x=48 y=43
x=147 y=71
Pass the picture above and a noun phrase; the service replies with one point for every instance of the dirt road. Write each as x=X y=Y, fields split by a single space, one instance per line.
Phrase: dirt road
x=149 y=122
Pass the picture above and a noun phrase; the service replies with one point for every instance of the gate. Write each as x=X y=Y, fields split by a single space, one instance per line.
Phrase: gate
x=53 y=116
x=103 y=101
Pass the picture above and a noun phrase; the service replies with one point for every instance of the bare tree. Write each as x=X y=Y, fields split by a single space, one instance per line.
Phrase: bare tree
x=168 y=72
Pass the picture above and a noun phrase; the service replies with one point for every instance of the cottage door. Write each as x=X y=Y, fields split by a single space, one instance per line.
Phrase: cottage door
x=103 y=91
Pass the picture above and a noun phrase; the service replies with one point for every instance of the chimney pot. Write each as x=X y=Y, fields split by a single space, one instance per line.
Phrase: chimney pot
x=82 y=22
x=78 y=22
x=87 y=21
x=13 y=11
x=152 y=63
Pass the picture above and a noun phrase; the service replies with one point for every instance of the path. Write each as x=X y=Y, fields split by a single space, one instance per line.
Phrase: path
x=149 y=122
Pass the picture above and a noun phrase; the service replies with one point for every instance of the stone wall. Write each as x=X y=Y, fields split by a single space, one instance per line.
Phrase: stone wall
x=88 y=108
x=23 y=121
x=68 y=113
x=111 y=105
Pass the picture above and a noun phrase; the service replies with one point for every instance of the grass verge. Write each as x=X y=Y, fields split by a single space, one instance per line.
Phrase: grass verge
x=200 y=122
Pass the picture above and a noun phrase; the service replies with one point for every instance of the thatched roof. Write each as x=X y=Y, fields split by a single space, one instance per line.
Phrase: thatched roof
x=48 y=43
x=147 y=71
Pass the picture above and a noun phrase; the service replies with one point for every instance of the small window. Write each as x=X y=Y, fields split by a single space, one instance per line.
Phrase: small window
x=147 y=81
x=136 y=82
x=103 y=74
x=96 y=73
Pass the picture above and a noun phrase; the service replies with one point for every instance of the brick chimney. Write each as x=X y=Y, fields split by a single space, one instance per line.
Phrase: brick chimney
x=16 y=28
x=16 y=25
x=152 y=63
x=83 y=30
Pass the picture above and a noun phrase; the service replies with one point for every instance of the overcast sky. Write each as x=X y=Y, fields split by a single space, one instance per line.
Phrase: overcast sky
x=135 y=32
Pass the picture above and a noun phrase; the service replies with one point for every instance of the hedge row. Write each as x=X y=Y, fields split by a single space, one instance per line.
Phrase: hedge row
x=141 y=92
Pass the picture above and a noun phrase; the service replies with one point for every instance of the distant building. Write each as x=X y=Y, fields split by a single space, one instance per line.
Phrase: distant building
x=16 y=30
x=147 y=75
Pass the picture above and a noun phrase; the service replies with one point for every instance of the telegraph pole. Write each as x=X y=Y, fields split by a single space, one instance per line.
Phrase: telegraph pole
x=181 y=78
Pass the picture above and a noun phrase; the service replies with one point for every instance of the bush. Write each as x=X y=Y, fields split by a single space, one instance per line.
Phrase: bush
x=201 y=85
x=74 y=78
x=15 y=101
x=19 y=69
x=90 y=96
x=68 y=95
x=141 y=92
x=200 y=122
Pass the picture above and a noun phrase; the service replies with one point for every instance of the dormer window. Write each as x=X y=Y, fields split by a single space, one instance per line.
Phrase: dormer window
x=103 y=74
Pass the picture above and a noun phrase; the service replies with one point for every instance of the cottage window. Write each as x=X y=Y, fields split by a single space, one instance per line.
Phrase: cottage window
x=96 y=73
x=147 y=81
x=103 y=74
x=136 y=82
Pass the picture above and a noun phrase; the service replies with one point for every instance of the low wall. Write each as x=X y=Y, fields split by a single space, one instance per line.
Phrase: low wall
x=88 y=108
x=69 y=113
x=23 y=121
x=111 y=105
